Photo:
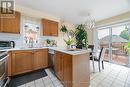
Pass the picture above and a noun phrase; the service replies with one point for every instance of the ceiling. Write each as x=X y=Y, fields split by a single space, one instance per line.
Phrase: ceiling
x=75 y=10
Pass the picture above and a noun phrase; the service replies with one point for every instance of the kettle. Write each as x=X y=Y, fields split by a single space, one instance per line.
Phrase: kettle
x=12 y=44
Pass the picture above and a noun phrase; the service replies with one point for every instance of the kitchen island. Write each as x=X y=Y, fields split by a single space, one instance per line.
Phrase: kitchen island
x=71 y=67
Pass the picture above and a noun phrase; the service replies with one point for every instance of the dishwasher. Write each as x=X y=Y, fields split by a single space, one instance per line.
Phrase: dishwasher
x=51 y=56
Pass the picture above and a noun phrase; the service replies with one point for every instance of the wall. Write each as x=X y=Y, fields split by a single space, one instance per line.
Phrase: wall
x=90 y=36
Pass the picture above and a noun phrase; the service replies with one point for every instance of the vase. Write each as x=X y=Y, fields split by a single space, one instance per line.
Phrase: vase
x=68 y=46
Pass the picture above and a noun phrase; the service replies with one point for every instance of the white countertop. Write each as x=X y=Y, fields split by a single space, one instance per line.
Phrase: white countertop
x=77 y=52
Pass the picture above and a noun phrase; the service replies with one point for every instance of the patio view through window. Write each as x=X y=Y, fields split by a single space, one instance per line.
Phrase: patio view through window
x=114 y=39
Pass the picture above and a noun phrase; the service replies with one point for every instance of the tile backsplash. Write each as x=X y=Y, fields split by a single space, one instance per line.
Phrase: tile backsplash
x=19 y=42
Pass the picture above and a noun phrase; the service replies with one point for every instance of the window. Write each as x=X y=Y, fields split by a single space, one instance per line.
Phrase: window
x=31 y=33
x=31 y=30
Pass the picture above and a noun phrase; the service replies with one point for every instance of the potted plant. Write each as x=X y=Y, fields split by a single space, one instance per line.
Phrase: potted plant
x=69 y=42
x=48 y=42
x=63 y=29
x=81 y=37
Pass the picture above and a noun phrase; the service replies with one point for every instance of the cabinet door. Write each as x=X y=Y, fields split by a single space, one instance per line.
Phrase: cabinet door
x=46 y=27
x=40 y=59
x=59 y=65
x=45 y=57
x=21 y=61
x=67 y=66
x=10 y=25
x=54 y=28
x=50 y=28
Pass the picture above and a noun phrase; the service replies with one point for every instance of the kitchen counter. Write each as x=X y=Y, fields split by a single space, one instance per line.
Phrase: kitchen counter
x=70 y=66
x=76 y=52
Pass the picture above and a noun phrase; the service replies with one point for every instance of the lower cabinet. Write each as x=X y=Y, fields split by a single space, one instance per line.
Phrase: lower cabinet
x=58 y=60
x=26 y=61
x=40 y=59
x=63 y=68
x=21 y=62
x=67 y=65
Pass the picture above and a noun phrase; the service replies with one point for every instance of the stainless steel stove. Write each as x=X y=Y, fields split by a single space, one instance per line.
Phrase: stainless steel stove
x=4 y=80
x=3 y=68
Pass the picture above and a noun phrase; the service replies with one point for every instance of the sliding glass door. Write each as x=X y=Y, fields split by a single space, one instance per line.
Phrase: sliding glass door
x=120 y=38
x=114 y=39
x=103 y=41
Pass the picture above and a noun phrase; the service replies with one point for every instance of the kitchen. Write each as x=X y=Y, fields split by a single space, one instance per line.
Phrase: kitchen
x=56 y=43
x=26 y=50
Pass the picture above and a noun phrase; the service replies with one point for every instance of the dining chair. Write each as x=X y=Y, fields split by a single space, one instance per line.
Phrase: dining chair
x=99 y=58
x=92 y=48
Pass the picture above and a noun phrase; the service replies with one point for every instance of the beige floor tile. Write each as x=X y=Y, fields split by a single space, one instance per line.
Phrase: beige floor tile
x=30 y=84
x=22 y=85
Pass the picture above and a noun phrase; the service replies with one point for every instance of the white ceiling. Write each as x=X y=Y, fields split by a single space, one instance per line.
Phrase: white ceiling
x=74 y=10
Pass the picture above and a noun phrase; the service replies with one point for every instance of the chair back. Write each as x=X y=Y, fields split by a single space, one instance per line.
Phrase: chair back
x=91 y=47
x=102 y=53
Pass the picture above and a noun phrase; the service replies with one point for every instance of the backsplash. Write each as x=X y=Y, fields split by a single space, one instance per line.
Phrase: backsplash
x=19 y=42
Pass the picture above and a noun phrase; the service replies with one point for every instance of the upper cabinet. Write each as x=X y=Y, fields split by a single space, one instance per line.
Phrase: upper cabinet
x=10 y=24
x=50 y=28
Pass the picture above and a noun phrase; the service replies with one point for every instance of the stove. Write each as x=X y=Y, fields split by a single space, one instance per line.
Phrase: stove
x=3 y=54
x=4 y=80
x=3 y=68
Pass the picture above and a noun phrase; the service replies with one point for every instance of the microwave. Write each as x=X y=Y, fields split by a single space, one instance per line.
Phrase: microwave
x=7 y=44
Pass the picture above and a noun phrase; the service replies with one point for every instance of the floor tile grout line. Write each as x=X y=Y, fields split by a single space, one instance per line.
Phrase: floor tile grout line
x=50 y=79
x=42 y=79
x=115 y=77
x=127 y=78
x=43 y=82
x=95 y=76
x=104 y=77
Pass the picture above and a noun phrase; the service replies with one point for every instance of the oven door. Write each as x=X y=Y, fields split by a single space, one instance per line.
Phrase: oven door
x=3 y=70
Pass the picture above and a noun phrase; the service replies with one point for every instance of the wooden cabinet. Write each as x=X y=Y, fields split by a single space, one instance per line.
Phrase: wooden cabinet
x=46 y=27
x=40 y=59
x=26 y=61
x=50 y=28
x=21 y=62
x=54 y=28
x=67 y=70
x=10 y=24
x=63 y=68
x=45 y=58
x=59 y=65
x=72 y=70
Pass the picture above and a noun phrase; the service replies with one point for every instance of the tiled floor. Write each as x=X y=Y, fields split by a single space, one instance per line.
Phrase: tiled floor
x=47 y=81
x=112 y=76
